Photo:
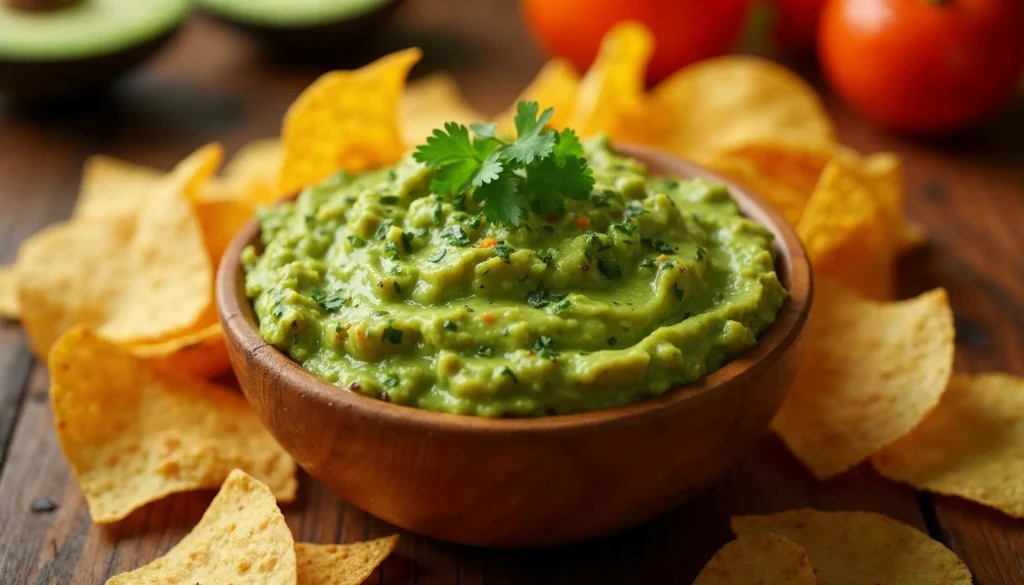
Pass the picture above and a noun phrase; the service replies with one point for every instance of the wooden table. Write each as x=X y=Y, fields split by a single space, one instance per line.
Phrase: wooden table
x=213 y=84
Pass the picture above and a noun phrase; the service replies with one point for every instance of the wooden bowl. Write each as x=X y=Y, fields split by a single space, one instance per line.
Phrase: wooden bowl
x=515 y=483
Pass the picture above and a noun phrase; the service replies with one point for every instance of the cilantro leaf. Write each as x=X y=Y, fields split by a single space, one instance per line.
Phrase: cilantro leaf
x=453 y=178
x=532 y=141
x=489 y=169
x=501 y=200
x=567 y=144
x=483 y=130
x=444 y=147
x=548 y=183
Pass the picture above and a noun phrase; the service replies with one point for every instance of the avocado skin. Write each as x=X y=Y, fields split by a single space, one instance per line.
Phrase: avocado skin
x=43 y=80
x=317 y=40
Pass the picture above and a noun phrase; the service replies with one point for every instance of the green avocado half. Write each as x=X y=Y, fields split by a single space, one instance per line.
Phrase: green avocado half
x=304 y=26
x=84 y=44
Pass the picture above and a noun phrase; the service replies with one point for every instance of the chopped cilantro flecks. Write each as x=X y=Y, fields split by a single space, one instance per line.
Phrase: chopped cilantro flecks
x=455 y=235
x=328 y=301
x=634 y=209
x=483 y=351
x=438 y=255
x=680 y=293
x=356 y=241
x=438 y=210
x=390 y=250
x=648 y=263
x=626 y=227
x=546 y=256
x=699 y=254
x=391 y=334
x=659 y=245
x=450 y=325
x=611 y=341
x=537 y=171
x=545 y=348
x=389 y=200
x=507 y=371
x=382 y=229
x=474 y=222
x=560 y=305
x=609 y=267
x=398 y=287
x=407 y=241
x=391 y=382
x=503 y=251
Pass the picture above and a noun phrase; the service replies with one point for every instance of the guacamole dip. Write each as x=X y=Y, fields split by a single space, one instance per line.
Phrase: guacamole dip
x=380 y=287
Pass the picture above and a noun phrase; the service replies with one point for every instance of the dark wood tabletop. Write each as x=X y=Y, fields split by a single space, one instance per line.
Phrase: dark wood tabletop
x=213 y=83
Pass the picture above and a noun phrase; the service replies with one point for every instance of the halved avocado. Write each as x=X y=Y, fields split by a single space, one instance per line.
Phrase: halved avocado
x=304 y=26
x=80 y=45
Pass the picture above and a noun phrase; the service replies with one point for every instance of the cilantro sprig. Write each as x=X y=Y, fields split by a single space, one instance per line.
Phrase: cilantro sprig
x=536 y=172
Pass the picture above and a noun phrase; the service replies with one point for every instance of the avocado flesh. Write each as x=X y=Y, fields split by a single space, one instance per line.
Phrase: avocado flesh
x=291 y=13
x=86 y=29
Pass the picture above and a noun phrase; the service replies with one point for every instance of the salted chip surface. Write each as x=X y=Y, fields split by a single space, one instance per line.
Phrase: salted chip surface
x=134 y=433
x=871 y=371
x=555 y=86
x=221 y=217
x=429 y=103
x=844 y=229
x=113 y=187
x=201 y=353
x=345 y=120
x=971 y=445
x=610 y=97
x=722 y=103
x=341 y=564
x=135 y=278
x=784 y=198
x=242 y=539
x=797 y=166
x=761 y=559
x=858 y=548
x=9 y=308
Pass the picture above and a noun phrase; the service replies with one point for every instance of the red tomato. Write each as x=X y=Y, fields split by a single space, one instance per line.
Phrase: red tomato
x=795 y=24
x=684 y=30
x=923 y=66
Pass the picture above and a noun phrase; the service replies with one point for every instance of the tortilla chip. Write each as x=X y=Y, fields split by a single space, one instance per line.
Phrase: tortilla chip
x=870 y=373
x=764 y=559
x=726 y=102
x=136 y=279
x=971 y=445
x=221 y=217
x=915 y=236
x=201 y=354
x=786 y=200
x=257 y=159
x=133 y=433
x=844 y=230
x=9 y=308
x=341 y=564
x=555 y=86
x=430 y=102
x=610 y=98
x=242 y=539
x=797 y=166
x=112 y=187
x=855 y=548
x=346 y=120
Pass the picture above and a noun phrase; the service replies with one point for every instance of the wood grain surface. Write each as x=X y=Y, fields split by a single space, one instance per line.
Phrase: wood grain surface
x=213 y=84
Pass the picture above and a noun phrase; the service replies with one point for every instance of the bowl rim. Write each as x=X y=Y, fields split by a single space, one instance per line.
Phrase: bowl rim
x=792 y=265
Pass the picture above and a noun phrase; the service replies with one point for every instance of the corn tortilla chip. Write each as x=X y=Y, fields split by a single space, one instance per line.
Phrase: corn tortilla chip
x=796 y=166
x=844 y=231
x=857 y=548
x=763 y=558
x=113 y=187
x=555 y=86
x=9 y=308
x=257 y=159
x=726 y=102
x=201 y=354
x=610 y=98
x=346 y=120
x=134 y=433
x=136 y=279
x=971 y=445
x=870 y=373
x=430 y=102
x=341 y=564
x=220 y=218
x=242 y=539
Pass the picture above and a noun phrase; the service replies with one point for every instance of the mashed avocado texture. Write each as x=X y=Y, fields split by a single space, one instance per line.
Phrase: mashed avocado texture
x=380 y=287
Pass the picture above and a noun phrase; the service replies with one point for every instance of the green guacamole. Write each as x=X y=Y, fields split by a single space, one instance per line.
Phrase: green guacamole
x=380 y=287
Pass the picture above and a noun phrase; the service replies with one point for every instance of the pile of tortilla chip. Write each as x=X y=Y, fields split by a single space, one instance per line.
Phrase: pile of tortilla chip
x=243 y=539
x=804 y=547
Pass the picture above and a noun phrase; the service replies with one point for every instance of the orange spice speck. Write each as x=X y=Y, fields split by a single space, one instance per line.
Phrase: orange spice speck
x=582 y=222
x=361 y=336
x=488 y=242
x=488 y=318
x=662 y=258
